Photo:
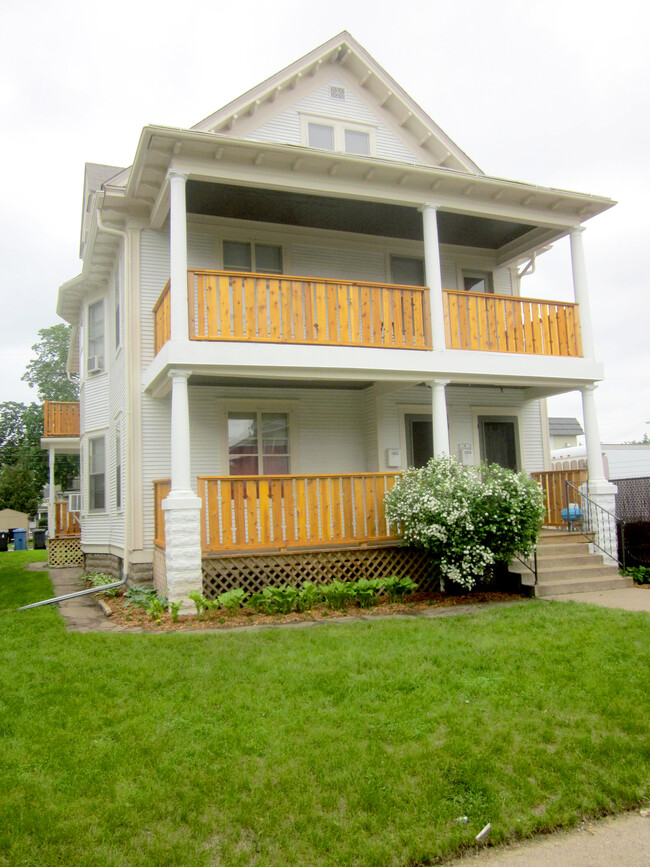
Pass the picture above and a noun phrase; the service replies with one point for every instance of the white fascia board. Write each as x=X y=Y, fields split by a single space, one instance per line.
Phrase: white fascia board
x=61 y=445
x=352 y=364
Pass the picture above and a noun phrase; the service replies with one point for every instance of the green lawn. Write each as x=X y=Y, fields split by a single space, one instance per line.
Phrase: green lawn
x=337 y=745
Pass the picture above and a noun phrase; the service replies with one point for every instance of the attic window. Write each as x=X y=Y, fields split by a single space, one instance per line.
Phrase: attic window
x=337 y=92
x=331 y=134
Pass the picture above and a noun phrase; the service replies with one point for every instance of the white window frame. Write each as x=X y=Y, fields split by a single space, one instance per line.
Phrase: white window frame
x=259 y=412
x=253 y=245
x=91 y=440
x=118 y=478
x=90 y=354
x=339 y=125
x=287 y=406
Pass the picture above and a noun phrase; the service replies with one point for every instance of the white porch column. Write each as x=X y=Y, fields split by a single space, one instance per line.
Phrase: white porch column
x=602 y=492
x=178 y=255
x=581 y=290
x=439 y=417
x=433 y=274
x=51 y=515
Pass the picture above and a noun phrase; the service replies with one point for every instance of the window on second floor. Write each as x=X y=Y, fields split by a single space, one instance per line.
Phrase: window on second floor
x=95 y=358
x=407 y=270
x=477 y=281
x=244 y=256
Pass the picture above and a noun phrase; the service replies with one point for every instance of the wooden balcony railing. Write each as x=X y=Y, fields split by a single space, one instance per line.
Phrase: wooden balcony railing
x=504 y=323
x=61 y=418
x=267 y=308
x=553 y=483
x=279 y=512
x=161 y=487
x=66 y=522
x=161 y=320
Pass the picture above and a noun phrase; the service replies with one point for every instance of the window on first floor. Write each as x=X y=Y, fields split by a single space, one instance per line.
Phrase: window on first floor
x=118 y=469
x=477 y=281
x=258 y=443
x=244 y=256
x=96 y=473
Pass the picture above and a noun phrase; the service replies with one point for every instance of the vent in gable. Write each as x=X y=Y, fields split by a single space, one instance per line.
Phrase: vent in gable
x=337 y=92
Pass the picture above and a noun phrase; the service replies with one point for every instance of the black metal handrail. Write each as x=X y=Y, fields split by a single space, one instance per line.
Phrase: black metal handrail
x=525 y=562
x=593 y=526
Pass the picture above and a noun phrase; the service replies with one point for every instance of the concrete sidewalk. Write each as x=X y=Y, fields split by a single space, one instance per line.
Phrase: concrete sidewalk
x=617 y=840
x=629 y=598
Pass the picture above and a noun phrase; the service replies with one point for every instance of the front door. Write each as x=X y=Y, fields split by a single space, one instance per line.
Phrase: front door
x=499 y=441
x=419 y=439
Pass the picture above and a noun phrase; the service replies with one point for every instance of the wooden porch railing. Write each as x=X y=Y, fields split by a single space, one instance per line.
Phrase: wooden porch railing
x=553 y=483
x=161 y=320
x=279 y=512
x=267 y=308
x=66 y=522
x=505 y=323
x=161 y=487
x=61 y=418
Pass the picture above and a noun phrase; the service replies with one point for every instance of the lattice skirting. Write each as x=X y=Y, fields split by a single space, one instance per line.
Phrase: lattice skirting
x=65 y=551
x=256 y=571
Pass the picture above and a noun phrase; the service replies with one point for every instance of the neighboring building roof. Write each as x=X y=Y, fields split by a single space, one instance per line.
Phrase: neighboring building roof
x=564 y=427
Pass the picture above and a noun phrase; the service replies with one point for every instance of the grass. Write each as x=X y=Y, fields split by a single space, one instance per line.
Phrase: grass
x=338 y=745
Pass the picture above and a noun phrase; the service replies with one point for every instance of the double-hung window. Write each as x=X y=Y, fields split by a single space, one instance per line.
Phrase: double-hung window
x=96 y=474
x=338 y=135
x=95 y=360
x=244 y=256
x=258 y=443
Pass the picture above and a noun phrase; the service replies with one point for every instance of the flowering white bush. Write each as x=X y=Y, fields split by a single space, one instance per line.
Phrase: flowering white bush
x=468 y=517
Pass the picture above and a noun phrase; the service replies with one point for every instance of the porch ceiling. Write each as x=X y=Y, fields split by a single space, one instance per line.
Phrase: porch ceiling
x=251 y=382
x=368 y=218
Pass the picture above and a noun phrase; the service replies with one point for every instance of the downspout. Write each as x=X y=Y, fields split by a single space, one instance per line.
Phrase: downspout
x=120 y=233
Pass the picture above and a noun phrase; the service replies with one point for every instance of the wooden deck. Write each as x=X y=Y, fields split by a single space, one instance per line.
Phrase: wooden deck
x=61 y=418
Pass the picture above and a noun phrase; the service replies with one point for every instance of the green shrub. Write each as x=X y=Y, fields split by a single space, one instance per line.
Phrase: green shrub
x=308 y=596
x=98 y=579
x=398 y=587
x=280 y=599
x=468 y=517
x=138 y=597
x=233 y=599
x=641 y=574
x=337 y=594
x=365 y=591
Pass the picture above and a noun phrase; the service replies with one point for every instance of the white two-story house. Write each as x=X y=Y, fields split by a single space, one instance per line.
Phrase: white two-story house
x=286 y=305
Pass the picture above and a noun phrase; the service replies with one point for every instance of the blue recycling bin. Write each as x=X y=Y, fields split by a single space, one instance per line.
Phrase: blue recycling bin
x=20 y=540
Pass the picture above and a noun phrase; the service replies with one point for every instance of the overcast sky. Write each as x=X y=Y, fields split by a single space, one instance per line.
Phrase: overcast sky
x=552 y=92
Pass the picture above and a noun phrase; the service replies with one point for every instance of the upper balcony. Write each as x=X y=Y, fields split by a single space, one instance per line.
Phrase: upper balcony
x=266 y=308
x=61 y=419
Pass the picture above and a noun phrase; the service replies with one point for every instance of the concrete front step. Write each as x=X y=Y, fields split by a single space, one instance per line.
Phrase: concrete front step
x=582 y=585
x=562 y=537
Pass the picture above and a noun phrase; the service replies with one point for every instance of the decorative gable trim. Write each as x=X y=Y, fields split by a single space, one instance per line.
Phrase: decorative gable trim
x=338 y=56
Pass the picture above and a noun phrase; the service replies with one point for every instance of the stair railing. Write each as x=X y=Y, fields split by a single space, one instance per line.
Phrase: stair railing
x=529 y=563
x=596 y=524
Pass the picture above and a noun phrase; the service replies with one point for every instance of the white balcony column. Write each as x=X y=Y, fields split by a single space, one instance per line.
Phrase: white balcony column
x=182 y=507
x=178 y=256
x=581 y=290
x=600 y=491
x=439 y=425
x=433 y=274
x=51 y=513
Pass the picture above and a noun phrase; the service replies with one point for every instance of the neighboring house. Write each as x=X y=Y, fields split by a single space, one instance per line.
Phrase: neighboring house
x=10 y=519
x=286 y=305
x=564 y=432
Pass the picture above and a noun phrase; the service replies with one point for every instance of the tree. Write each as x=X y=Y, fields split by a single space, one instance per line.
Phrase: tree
x=18 y=488
x=47 y=372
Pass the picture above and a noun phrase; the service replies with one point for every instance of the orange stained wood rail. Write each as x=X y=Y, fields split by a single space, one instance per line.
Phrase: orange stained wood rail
x=161 y=487
x=67 y=523
x=61 y=418
x=292 y=511
x=162 y=320
x=268 y=308
x=505 y=323
x=553 y=483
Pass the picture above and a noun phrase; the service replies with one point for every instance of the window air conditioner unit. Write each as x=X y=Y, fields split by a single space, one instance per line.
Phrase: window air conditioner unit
x=74 y=502
x=95 y=364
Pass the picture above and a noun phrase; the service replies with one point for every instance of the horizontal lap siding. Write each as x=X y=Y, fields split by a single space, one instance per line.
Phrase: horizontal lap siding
x=285 y=126
x=338 y=263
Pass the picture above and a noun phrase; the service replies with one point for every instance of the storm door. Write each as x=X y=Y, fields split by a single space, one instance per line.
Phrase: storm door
x=419 y=439
x=499 y=441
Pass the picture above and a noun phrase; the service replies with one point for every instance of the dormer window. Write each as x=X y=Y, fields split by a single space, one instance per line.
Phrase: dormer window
x=338 y=135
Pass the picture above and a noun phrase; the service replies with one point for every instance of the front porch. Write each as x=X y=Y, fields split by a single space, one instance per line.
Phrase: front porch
x=61 y=436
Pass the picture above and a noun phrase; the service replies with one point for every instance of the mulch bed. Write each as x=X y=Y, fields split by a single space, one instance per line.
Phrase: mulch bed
x=415 y=604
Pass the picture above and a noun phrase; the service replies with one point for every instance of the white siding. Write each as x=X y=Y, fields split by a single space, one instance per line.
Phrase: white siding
x=503 y=281
x=285 y=127
x=628 y=461
x=154 y=274
x=338 y=263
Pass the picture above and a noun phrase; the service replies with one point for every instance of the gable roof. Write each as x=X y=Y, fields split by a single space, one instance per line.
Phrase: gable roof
x=343 y=51
x=564 y=427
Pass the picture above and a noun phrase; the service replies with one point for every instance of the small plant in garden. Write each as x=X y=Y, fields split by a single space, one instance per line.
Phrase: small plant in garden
x=257 y=602
x=397 y=587
x=308 y=596
x=156 y=608
x=641 y=574
x=98 y=579
x=337 y=593
x=366 y=591
x=233 y=599
x=281 y=599
x=138 y=597
x=467 y=517
x=202 y=604
x=174 y=608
